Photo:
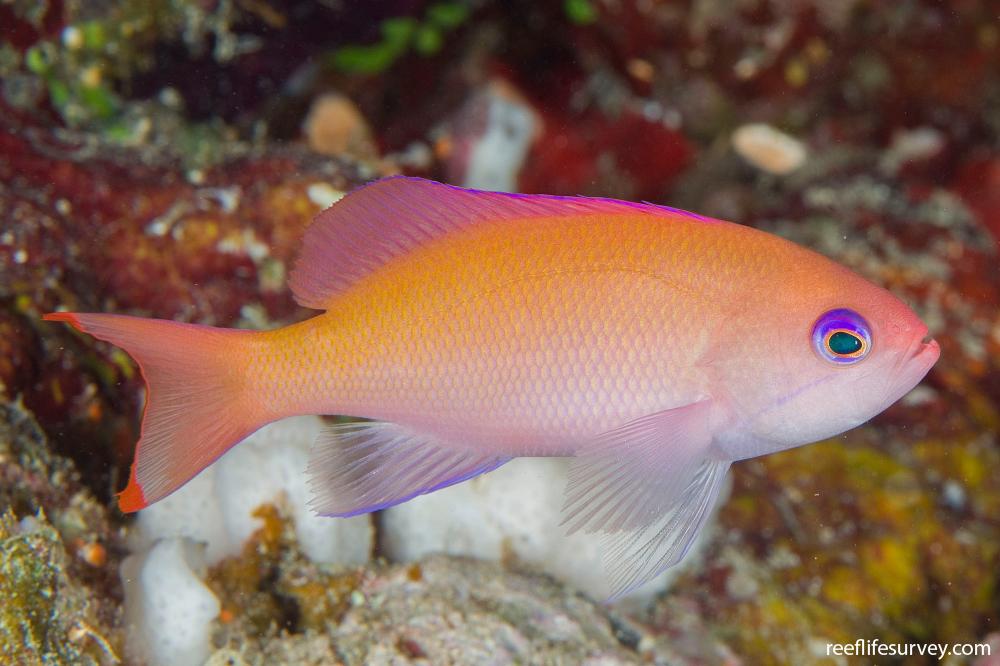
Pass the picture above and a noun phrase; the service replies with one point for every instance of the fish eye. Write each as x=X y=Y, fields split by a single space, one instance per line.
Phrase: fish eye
x=842 y=336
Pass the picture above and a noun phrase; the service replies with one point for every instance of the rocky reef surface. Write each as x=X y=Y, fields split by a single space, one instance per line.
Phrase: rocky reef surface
x=163 y=158
x=58 y=551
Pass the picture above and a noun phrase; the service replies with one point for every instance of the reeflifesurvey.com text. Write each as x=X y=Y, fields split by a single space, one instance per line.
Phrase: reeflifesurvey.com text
x=876 y=648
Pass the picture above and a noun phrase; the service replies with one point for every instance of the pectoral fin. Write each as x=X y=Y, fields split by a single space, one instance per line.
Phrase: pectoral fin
x=648 y=486
x=634 y=557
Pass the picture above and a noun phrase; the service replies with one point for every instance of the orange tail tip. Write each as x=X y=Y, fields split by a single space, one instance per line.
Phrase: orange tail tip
x=196 y=407
x=131 y=499
x=68 y=317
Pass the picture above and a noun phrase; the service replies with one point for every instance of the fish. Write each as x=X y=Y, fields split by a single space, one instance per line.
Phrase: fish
x=651 y=346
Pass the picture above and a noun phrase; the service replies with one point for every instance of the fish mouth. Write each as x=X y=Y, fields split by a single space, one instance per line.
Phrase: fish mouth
x=910 y=367
x=926 y=348
x=920 y=357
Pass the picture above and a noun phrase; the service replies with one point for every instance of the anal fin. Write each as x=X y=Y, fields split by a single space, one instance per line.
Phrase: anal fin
x=366 y=466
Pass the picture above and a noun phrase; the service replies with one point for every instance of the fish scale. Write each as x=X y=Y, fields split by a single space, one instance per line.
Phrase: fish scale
x=503 y=363
x=653 y=346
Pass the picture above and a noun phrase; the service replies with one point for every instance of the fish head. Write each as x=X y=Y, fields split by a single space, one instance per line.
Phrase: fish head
x=846 y=349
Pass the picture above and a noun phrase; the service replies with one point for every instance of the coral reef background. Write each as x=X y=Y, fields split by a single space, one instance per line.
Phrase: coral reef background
x=162 y=159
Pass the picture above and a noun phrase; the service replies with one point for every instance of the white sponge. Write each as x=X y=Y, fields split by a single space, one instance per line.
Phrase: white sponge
x=513 y=512
x=217 y=506
x=168 y=609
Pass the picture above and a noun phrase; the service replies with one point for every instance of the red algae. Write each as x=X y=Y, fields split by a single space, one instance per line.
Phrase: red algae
x=978 y=183
x=629 y=156
x=101 y=229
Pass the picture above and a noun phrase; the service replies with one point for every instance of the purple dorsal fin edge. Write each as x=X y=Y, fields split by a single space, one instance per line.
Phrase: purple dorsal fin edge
x=389 y=217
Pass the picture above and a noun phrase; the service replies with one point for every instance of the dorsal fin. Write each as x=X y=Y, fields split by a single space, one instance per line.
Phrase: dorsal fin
x=389 y=217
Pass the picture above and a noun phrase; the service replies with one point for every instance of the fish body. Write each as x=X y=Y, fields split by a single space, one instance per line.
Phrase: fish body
x=528 y=336
x=653 y=346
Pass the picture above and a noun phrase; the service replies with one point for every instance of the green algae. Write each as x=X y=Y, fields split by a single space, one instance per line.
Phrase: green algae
x=55 y=607
x=856 y=541
x=44 y=619
x=580 y=12
x=83 y=67
x=399 y=35
x=29 y=569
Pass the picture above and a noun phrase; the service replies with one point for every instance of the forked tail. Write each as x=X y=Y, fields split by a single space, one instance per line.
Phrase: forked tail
x=198 y=402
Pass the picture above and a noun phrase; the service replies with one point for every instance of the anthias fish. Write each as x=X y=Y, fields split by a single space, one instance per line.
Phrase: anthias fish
x=653 y=346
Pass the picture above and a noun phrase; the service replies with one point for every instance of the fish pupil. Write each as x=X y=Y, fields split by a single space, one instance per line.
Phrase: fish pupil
x=844 y=343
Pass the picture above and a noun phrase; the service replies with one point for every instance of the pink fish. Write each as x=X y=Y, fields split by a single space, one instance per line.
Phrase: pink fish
x=653 y=346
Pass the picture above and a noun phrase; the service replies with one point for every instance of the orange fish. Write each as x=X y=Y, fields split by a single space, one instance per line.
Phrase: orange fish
x=653 y=346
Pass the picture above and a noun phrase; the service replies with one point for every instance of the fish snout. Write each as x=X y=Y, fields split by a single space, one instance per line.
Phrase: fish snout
x=925 y=347
x=919 y=357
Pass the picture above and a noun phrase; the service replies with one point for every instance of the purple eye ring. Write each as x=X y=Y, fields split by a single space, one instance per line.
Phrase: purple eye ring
x=842 y=336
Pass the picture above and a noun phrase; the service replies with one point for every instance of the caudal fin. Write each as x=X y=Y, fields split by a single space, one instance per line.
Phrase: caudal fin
x=198 y=404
